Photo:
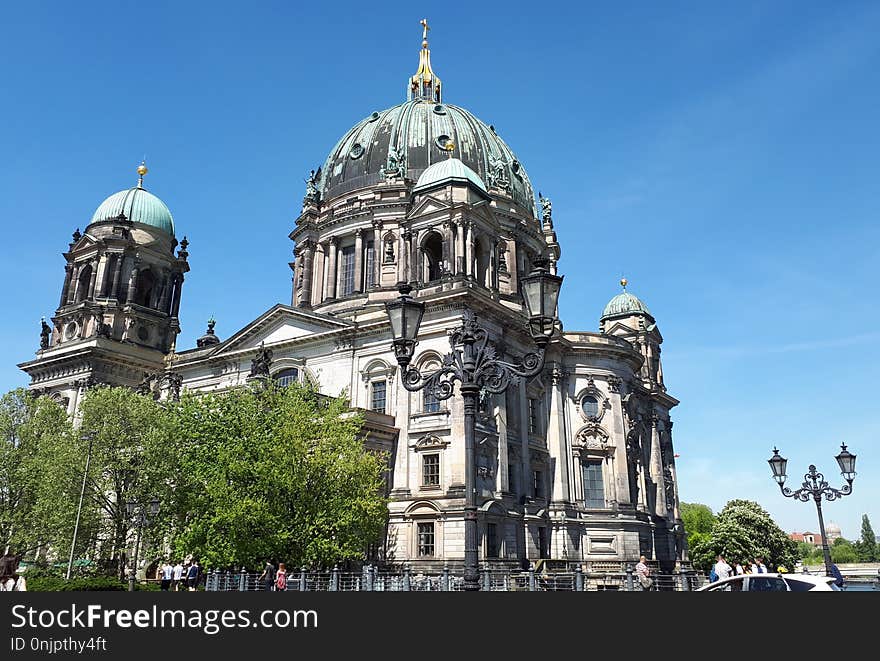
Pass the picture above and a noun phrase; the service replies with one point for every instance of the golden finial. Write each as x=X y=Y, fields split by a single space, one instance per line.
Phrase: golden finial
x=623 y=282
x=425 y=28
x=142 y=170
x=449 y=146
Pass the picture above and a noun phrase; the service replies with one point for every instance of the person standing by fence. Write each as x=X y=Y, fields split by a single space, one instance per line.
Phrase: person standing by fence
x=268 y=576
x=643 y=574
x=281 y=578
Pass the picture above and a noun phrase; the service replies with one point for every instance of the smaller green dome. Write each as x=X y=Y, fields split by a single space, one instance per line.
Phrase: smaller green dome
x=623 y=304
x=448 y=170
x=138 y=206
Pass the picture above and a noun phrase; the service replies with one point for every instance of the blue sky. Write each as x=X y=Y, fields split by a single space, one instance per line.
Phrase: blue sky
x=724 y=156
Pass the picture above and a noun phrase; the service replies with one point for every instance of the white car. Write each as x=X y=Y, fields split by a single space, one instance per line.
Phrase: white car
x=773 y=583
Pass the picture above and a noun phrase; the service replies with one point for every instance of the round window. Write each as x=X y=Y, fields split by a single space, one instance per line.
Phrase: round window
x=590 y=406
x=357 y=150
x=70 y=330
x=143 y=333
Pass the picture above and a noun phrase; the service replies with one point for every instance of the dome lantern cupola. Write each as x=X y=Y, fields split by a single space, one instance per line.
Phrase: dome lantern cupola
x=624 y=305
x=425 y=85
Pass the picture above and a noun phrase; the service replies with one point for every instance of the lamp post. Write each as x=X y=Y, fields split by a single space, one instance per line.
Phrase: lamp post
x=82 y=493
x=138 y=513
x=473 y=362
x=814 y=486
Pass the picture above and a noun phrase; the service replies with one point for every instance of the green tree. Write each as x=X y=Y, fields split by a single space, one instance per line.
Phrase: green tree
x=130 y=463
x=275 y=473
x=35 y=494
x=698 y=522
x=866 y=547
x=842 y=551
x=743 y=531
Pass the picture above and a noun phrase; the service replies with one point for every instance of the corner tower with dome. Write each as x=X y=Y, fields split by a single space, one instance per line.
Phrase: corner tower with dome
x=575 y=464
x=117 y=317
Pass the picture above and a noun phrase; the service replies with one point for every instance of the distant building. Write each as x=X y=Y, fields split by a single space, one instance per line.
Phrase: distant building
x=832 y=530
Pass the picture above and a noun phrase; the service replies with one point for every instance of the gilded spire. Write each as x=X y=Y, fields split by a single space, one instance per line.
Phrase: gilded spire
x=623 y=282
x=425 y=85
x=142 y=170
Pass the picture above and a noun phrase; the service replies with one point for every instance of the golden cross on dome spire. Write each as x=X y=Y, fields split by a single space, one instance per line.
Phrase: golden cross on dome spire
x=425 y=85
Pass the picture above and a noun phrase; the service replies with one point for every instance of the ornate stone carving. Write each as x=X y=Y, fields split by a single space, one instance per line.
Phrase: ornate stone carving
x=261 y=362
x=613 y=383
x=669 y=485
x=395 y=166
x=498 y=174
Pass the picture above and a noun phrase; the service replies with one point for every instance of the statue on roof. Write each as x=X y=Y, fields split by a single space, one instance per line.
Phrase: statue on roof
x=261 y=362
x=313 y=195
x=44 y=334
x=395 y=167
x=546 y=209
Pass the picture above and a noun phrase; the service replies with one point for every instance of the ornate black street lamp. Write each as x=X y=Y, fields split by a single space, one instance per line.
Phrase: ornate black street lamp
x=814 y=486
x=473 y=362
x=140 y=518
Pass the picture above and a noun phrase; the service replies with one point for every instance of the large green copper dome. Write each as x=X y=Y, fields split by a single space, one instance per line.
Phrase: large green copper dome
x=418 y=132
x=138 y=206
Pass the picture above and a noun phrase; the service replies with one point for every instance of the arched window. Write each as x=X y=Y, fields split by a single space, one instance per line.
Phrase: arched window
x=145 y=283
x=82 y=285
x=430 y=403
x=285 y=377
x=433 y=252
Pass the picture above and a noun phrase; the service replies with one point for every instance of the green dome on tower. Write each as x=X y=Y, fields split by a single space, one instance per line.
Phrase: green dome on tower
x=625 y=304
x=137 y=205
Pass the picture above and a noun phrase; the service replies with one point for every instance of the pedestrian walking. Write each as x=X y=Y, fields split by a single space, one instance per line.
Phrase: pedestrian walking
x=268 y=576
x=177 y=576
x=281 y=578
x=167 y=575
x=192 y=576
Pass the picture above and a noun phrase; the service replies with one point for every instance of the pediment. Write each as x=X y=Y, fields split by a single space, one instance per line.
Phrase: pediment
x=428 y=205
x=279 y=324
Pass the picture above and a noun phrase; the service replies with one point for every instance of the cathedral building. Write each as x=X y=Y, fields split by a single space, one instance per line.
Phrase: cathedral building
x=574 y=464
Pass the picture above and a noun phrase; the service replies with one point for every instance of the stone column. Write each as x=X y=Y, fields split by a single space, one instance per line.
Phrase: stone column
x=378 y=253
x=459 y=246
x=94 y=279
x=330 y=284
x=71 y=291
x=556 y=438
x=113 y=291
x=403 y=256
x=308 y=275
x=132 y=283
x=65 y=293
x=415 y=270
x=469 y=250
x=358 y=261
x=167 y=284
x=103 y=275
x=175 y=306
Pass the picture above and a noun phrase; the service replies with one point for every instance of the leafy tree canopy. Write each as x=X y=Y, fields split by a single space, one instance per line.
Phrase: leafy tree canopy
x=274 y=473
x=34 y=508
x=743 y=531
